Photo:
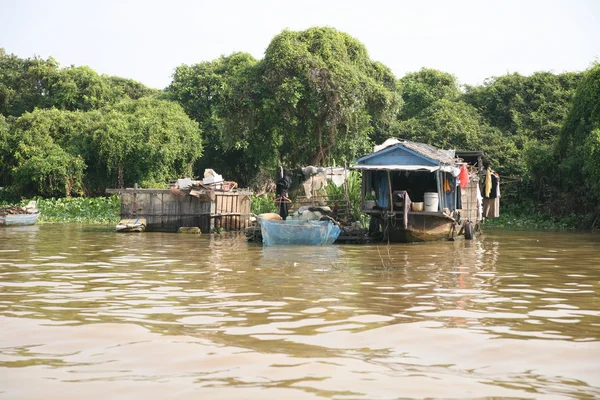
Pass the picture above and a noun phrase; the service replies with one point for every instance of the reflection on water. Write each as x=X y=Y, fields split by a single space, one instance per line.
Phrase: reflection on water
x=513 y=315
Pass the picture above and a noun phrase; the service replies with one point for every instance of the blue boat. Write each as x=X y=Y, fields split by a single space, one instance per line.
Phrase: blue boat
x=19 y=219
x=298 y=232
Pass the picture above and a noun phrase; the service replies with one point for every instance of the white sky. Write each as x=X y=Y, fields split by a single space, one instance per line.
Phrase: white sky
x=146 y=40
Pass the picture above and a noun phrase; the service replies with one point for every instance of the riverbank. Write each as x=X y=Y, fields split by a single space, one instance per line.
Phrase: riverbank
x=518 y=218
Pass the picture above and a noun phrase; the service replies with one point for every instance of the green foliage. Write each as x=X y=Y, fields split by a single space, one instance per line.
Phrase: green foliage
x=123 y=88
x=526 y=106
x=26 y=84
x=423 y=88
x=263 y=204
x=34 y=162
x=354 y=186
x=446 y=124
x=530 y=218
x=324 y=97
x=579 y=144
x=145 y=141
x=59 y=153
x=218 y=96
x=95 y=210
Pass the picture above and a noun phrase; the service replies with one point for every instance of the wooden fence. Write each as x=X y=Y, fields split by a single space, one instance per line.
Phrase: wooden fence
x=167 y=211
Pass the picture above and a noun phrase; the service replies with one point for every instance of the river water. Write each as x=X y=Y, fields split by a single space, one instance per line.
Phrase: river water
x=86 y=313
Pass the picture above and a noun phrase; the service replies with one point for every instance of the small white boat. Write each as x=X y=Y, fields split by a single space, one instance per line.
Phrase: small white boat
x=19 y=219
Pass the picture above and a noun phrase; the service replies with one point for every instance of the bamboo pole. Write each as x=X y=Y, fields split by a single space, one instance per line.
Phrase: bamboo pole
x=390 y=190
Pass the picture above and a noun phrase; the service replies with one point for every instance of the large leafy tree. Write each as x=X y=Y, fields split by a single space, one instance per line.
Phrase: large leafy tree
x=579 y=145
x=216 y=94
x=526 y=107
x=323 y=97
x=79 y=88
x=529 y=111
x=123 y=88
x=34 y=159
x=146 y=141
x=24 y=83
x=423 y=88
x=59 y=153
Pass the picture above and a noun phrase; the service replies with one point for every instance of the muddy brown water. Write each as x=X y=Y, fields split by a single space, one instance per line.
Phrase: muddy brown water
x=88 y=313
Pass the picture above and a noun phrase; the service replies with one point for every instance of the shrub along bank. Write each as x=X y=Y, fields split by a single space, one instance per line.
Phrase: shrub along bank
x=95 y=210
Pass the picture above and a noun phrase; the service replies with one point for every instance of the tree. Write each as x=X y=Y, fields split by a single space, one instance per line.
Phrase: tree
x=79 y=88
x=148 y=141
x=123 y=88
x=36 y=161
x=213 y=93
x=24 y=83
x=423 y=88
x=5 y=152
x=579 y=144
x=526 y=107
x=323 y=97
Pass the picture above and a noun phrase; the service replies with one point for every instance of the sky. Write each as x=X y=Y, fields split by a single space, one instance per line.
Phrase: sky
x=146 y=40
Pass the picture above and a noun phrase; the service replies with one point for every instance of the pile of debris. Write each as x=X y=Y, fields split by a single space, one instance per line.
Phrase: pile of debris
x=30 y=208
x=312 y=213
x=205 y=188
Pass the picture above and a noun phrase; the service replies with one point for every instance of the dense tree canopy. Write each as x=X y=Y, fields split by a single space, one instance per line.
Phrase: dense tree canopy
x=529 y=107
x=423 y=88
x=579 y=145
x=213 y=94
x=147 y=141
x=325 y=98
x=60 y=153
x=26 y=84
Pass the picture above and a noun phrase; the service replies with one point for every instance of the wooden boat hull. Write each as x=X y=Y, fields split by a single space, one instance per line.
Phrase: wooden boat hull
x=19 y=219
x=423 y=227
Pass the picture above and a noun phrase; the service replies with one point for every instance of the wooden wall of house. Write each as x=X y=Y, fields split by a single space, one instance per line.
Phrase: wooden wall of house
x=167 y=211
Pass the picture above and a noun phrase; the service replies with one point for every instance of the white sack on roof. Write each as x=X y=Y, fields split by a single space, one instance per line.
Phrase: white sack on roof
x=389 y=142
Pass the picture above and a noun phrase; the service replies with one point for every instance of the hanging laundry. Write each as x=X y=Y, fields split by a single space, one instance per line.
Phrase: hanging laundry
x=497 y=184
x=447 y=187
x=488 y=183
x=494 y=191
x=463 y=176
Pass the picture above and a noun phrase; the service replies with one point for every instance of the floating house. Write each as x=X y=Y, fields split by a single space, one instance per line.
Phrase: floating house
x=416 y=192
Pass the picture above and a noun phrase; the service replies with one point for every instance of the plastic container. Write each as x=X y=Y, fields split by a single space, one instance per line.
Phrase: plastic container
x=369 y=204
x=432 y=201
x=416 y=206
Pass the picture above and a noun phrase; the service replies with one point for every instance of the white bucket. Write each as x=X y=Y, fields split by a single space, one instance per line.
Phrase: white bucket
x=431 y=201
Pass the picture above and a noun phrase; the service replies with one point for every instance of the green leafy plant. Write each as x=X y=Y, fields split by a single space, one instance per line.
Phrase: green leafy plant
x=354 y=185
x=263 y=204
x=94 y=210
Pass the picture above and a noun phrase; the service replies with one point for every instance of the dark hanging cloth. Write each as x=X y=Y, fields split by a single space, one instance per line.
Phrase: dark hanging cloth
x=283 y=185
x=494 y=192
x=458 y=198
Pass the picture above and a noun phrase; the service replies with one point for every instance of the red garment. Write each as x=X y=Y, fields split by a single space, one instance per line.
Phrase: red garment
x=463 y=176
